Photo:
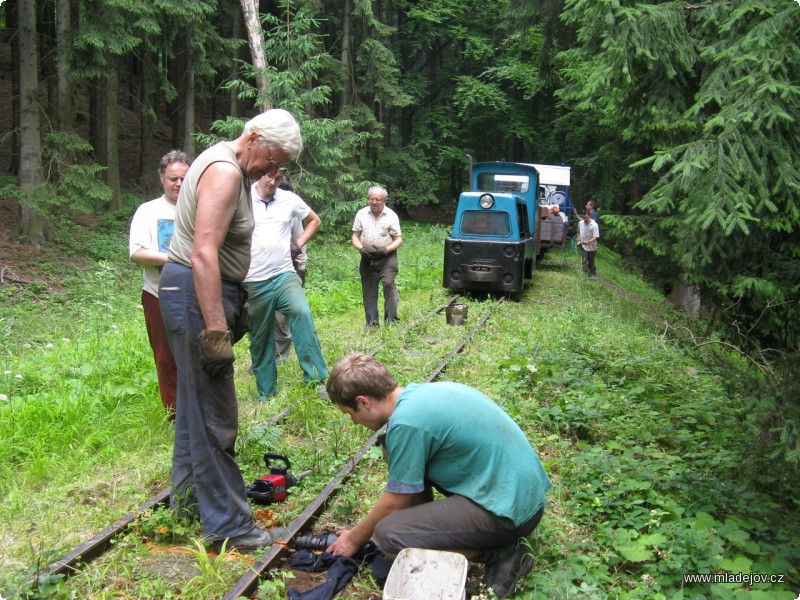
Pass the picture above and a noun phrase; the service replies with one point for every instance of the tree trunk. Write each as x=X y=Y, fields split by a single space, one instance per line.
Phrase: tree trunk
x=63 y=28
x=235 y=72
x=112 y=136
x=97 y=119
x=686 y=297
x=48 y=53
x=188 y=95
x=255 y=37
x=177 y=72
x=146 y=178
x=12 y=22
x=347 y=58
x=31 y=225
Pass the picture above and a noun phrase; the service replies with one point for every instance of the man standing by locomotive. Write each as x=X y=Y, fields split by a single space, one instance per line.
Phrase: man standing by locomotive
x=588 y=235
x=377 y=236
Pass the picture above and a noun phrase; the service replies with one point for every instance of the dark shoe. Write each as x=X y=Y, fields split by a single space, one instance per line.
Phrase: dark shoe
x=505 y=566
x=253 y=540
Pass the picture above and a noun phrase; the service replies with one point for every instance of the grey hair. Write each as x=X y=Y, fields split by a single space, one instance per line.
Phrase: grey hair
x=278 y=128
x=378 y=188
x=170 y=157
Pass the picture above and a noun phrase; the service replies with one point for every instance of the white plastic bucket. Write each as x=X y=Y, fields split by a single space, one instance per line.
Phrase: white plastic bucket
x=419 y=574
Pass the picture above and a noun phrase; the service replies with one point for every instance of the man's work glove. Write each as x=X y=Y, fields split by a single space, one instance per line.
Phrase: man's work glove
x=378 y=253
x=365 y=252
x=295 y=249
x=216 y=352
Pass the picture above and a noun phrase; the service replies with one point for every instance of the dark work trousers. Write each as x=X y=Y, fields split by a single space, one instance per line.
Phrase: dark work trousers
x=165 y=364
x=452 y=523
x=588 y=262
x=373 y=272
x=205 y=474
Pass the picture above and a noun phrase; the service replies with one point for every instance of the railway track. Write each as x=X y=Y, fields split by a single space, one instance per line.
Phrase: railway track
x=97 y=545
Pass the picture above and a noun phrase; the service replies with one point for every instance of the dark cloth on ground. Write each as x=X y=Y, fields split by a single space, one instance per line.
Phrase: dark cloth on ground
x=341 y=570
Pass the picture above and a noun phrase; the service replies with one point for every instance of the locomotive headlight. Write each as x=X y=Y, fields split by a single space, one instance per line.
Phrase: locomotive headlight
x=486 y=201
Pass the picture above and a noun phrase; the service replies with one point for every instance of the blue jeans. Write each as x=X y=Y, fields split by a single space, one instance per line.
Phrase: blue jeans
x=282 y=293
x=373 y=272
x=205 y=474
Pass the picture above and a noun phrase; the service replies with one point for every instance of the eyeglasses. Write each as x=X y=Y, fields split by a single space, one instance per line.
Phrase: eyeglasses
x=273 y=167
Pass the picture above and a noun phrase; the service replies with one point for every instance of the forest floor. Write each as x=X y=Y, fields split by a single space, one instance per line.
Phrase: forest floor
x=22 y=264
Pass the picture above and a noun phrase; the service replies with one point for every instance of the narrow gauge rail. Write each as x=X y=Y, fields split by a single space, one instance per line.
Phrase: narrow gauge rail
x=84 y=553
x=248 y=584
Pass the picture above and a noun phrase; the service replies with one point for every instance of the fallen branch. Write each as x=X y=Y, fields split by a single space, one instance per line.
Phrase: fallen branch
x=8 y=276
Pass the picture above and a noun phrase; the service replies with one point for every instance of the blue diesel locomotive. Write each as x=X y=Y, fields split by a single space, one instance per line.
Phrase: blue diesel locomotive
x=504 y=223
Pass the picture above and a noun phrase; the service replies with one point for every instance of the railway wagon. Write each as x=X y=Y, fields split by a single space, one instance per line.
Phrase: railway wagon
x=503 y=224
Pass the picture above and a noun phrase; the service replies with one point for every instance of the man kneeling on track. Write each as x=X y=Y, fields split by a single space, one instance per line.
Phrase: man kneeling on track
x=452 y=438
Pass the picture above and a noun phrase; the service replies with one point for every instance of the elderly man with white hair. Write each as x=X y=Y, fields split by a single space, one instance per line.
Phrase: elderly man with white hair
x=377 y=236
x=202 y=300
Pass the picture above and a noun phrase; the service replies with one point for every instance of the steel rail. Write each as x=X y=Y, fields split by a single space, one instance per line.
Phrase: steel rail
x=424 y=318
x=99 y=543
x=248 y=583
x=461 y=345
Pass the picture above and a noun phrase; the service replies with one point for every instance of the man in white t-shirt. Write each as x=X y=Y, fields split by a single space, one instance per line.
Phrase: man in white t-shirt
x=150 y=236
x=283 y=332
x=272 y=285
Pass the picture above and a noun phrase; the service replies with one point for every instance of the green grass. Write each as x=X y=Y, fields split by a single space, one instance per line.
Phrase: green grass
x=648 y=446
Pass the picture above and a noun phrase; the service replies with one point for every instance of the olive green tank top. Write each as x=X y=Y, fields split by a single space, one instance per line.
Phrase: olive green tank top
x=234 y=255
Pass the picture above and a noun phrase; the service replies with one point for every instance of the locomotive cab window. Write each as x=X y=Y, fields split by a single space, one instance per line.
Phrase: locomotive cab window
x=481 y=222
x=499 y=182
x=522 y=218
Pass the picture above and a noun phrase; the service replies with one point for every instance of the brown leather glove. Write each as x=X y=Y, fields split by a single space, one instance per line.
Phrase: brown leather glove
x=216 y=352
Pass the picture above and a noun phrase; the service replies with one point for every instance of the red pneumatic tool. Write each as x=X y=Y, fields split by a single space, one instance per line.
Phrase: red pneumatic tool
x=273 y=487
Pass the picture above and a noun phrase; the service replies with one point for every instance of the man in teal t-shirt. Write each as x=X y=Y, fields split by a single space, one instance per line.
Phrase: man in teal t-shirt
x=452 y=438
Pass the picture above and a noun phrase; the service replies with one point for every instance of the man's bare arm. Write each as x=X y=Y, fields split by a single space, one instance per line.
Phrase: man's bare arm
x=217 y=198
x=350 y=540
